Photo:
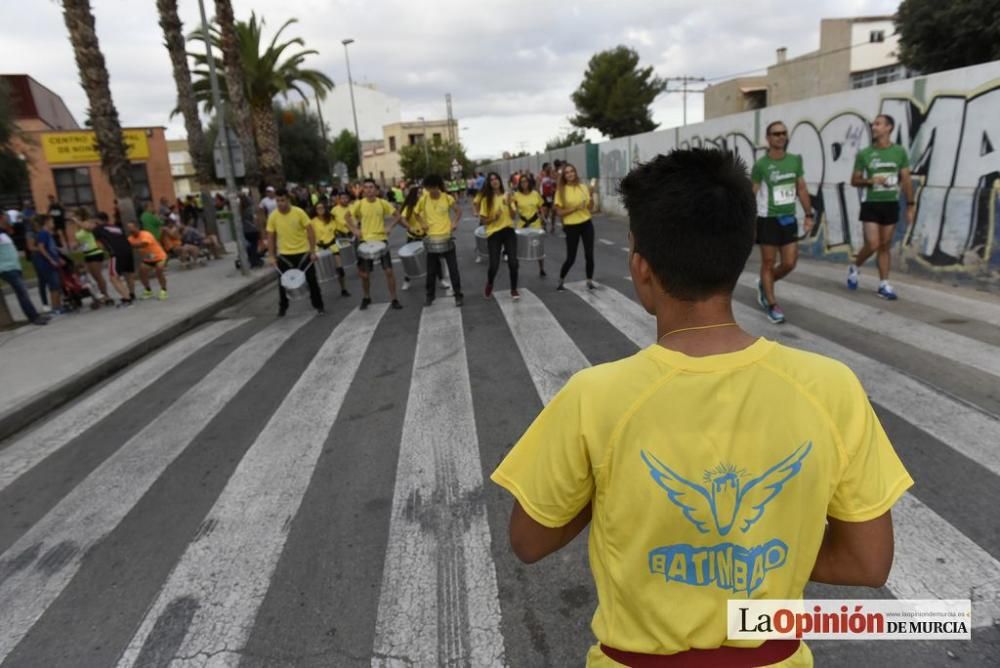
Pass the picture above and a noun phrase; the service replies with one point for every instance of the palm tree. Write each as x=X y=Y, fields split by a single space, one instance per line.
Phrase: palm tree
x=201 y=155
x=94 y=79
x=267 y=73
x=235 y=86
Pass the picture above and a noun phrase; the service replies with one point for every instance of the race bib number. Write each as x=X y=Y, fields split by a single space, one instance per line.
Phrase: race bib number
x=784 y=194
x=891 y=182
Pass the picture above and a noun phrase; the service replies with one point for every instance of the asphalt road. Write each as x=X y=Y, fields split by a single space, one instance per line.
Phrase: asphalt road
x=309 y=491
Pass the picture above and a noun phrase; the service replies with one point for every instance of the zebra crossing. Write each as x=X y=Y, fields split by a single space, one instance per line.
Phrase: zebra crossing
x=439 y=588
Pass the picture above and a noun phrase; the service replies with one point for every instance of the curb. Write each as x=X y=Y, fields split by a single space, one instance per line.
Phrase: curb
x=24 y=415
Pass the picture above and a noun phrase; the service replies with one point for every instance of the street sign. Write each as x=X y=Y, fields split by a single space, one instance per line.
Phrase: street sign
x=236 y=150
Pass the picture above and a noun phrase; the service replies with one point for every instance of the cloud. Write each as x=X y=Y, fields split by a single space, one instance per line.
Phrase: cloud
x=510 y=68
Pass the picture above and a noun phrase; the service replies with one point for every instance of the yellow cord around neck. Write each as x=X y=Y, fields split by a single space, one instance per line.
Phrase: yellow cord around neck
x=691 y=329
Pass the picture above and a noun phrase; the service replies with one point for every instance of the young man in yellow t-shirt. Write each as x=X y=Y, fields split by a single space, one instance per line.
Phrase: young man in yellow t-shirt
x=291 y=245
x=711 y=465
x=437 y=212
x=366 y=219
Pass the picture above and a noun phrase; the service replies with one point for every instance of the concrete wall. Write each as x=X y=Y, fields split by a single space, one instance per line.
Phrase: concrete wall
x=950 y=124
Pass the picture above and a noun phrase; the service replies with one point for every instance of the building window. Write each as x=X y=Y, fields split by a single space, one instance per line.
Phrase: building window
x=416 y=139
x=878 y=76
x=392 y=144
x=73 y=187
x=876 y=36
x=140 y=183
x=437 y=137
x=755 y=99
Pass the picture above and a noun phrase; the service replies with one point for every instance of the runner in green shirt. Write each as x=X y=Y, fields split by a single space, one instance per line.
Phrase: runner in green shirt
x=150 y=221
x=881 y=169
x=778 y=178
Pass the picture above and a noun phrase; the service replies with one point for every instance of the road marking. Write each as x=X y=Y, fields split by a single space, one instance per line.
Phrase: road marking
x=226 y=571
x=626 y=249
x=548 y=351
x=27 y=451
x=439 y=604
x=40 y=565
x=960 y=349
x=923 y=536
x=949 y=301
x=607 y=242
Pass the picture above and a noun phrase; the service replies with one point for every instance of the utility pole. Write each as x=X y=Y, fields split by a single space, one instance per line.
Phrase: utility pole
x=227 y=150
x=354 y=110
x=684 y=90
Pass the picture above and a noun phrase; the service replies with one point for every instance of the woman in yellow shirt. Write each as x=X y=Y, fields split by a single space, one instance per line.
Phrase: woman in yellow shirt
x=528 y=203
x=495 y=211
x=325 y=226
x=574 y=204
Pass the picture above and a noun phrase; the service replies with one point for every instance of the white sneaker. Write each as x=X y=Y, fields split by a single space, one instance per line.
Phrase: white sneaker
x=406 y=284
x=46 y=308
x=444 y=283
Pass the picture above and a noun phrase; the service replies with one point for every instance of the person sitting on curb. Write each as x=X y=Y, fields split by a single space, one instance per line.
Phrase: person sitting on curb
x=10 y=272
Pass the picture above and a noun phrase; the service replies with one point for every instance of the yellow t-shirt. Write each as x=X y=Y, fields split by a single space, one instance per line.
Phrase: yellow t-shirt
x=372 y=218
x=339 y=214
x=291 y=230
x=414 y=225
x=528 y=206
x=711 y=479
x=502 y=212
x=436 y=213
x=573 y=196
x=325 y=232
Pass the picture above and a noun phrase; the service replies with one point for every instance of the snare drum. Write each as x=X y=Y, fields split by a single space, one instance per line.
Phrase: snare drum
x=294 y=283
x=530 y=243
x=482 y=245
x=414 y=258
x=439 y=243
x=326 y=266
x=372 y=250
x=348 y=258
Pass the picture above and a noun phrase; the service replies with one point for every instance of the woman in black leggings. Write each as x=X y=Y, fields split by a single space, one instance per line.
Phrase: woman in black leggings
x=573 y=204
x=495 y=212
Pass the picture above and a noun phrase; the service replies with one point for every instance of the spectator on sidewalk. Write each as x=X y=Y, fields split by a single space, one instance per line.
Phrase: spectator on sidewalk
x=121 y=266
x=50 y=261
x=58 y=215
x=251 y=233
x=151 y=222
x=10 y=272
x=93 y=255
x=173 y=245
x=192 y=236
x=32 y=255
x=153 y=257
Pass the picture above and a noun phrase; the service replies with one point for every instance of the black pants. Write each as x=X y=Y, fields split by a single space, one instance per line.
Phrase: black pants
x=506 y=239
x=253 y=255
x=434 y=267
x=573 y=235
x=297 y=261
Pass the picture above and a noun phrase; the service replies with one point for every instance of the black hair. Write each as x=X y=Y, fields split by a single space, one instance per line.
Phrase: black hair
x=371 y=181
x=770 y=125
x=410 y=202
x=526 y=178
x=281 y=192
x=434 y=181
x=888 y=119
x=103 y=217
x=488 y=190
x=692 y=214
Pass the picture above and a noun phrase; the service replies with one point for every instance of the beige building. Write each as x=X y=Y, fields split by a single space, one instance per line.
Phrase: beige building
x=182 y=167
x=381 y=159
x=853 y=53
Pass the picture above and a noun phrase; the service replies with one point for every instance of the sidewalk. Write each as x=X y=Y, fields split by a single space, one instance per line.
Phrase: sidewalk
x=44 y=367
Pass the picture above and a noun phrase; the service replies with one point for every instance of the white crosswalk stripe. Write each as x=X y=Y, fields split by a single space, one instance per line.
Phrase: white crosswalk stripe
x=227 y=569
x=438 y=527
x=56 y=545
x=920 y=335
x=57 y=431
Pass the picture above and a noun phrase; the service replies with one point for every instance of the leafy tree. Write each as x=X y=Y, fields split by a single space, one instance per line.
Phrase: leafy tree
x=572 y=138
x=303 y=152
x=615 y=94
x=13 y=172
x=344 y=148
x=936 y=35
x=414 y=163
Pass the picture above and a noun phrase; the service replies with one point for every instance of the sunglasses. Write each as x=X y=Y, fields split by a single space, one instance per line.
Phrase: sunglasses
x=779 y=134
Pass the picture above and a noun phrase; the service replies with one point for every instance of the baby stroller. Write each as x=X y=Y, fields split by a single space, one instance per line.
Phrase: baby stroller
x=75 y=286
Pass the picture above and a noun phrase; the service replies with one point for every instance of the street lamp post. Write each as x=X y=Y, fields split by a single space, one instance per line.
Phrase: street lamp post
x=354 y=111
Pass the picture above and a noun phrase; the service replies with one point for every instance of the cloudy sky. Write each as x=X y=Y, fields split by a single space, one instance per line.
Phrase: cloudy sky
x=510 y=66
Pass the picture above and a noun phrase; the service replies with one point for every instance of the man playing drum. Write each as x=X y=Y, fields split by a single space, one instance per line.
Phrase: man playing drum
x=290 y=234
x=439 y=215
x=366 y=218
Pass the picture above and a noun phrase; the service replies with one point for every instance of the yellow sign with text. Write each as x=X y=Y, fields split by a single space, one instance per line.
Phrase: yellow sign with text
x=80 y=147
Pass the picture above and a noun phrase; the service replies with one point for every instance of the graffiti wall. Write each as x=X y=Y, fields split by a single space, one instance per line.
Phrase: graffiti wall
x=948 y=122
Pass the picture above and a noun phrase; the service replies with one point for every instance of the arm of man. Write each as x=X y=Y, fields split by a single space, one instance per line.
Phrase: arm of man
x=532 y=541
x=906 y=181
x=272 y=245
x=858 y=180
x=803 y=191
x=456 y=215
x=349 y=221
x=855 y=553
x=311 y=235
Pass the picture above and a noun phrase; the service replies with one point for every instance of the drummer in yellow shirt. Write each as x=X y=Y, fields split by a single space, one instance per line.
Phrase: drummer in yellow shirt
x=366 y=220
x=325 y=228
x=438 y=215
x=528 y=203
x=339 y=213
x=574 y=205
x=291 y=243
x=711 y=465
x=496 y=213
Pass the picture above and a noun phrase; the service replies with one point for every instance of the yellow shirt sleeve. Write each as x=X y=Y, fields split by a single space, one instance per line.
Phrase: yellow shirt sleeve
x=549 y=469
x=387 y=208
x=302 y=218
x=873 y=478
x=271 y=225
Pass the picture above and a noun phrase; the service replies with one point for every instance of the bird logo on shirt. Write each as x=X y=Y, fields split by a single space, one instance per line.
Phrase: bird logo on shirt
x=729 y=499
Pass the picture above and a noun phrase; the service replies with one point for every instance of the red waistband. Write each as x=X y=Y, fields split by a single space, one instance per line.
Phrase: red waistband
x=771 y=651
